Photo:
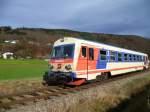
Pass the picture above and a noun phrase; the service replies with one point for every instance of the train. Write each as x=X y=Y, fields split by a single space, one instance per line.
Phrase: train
x=74 y=61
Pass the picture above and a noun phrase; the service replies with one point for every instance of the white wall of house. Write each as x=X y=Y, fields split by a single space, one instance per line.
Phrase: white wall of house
x=7 y=55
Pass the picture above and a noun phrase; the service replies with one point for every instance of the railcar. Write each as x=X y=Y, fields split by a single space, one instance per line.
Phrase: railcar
x=74 y=61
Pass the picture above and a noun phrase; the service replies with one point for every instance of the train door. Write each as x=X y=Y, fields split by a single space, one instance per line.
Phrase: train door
x=87 y=61
x=146 y=60
x=82 y=61
x=92 y=62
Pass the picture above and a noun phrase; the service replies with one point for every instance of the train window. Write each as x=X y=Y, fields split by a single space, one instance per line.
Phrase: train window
x=91 y=54
x=83 y=51
x=134 y=57
x=125 y=57
x=130 y=57
x=68 y=51
x=138 y=58
x=102 y=55
x=112 y=56
x=119 y=57
x=142 y=58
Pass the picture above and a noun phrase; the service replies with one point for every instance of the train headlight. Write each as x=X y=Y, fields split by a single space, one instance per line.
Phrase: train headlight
x=59 y=66
x=68 y=67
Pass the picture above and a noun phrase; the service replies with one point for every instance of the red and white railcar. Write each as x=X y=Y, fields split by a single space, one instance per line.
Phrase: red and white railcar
x=74 y=61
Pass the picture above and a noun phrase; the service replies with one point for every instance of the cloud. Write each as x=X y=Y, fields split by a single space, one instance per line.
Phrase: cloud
x=117 y=16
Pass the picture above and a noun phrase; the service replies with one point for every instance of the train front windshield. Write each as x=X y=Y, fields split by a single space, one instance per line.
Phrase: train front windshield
x=63 y=51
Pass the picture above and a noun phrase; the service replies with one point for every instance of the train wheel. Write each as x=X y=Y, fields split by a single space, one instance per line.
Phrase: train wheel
x=98 y=78
x=103 y=76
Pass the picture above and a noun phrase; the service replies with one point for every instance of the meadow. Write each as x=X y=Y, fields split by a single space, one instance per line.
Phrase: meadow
x=22 y=69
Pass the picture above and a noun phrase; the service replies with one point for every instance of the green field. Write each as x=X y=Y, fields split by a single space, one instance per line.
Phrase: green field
x=22 y=69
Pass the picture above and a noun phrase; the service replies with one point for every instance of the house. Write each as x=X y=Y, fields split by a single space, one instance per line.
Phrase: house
x=7 y=41
x=11 y=41
x=8 y=55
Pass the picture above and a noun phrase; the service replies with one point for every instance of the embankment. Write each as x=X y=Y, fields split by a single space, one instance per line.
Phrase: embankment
x=104 y=98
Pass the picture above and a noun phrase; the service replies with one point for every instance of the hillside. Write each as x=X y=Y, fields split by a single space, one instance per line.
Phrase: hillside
x=36 y=42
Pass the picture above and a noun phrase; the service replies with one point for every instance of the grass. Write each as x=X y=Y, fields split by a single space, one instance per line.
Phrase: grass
x=22 y=69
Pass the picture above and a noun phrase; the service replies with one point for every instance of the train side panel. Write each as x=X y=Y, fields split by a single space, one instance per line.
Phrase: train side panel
x=89 y=69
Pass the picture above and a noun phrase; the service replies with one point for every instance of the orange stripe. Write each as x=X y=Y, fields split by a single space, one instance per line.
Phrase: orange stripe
x=81 y=73
x=61 y=61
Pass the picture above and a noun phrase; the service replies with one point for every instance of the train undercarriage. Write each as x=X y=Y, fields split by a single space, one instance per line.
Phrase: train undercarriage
x=57 y=78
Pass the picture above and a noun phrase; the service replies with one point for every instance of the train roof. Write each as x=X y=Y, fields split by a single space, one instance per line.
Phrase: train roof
x=101 y=45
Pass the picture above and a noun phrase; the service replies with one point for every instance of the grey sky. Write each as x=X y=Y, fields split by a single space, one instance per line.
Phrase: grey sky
x=101 y=16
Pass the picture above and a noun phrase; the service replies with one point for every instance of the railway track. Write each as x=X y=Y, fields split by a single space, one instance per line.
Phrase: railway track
x=7 y=102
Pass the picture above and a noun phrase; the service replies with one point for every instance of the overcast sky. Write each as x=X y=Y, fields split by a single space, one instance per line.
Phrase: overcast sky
x=101 y=16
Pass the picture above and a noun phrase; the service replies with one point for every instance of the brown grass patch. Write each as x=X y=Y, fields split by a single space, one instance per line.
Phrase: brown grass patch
x=19 y=86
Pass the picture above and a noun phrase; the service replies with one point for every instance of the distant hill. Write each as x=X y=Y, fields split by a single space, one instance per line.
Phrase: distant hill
x=36 y=42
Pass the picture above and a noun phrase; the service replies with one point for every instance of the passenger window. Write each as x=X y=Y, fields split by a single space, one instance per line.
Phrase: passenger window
x=125 y=57
x=91 y=54
x=119 y=57
x=83 y=51
x=138 y=58
x=112 y=56
x=102 y=55
x=134 y=57
x=142 y=58
x=130 y=57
